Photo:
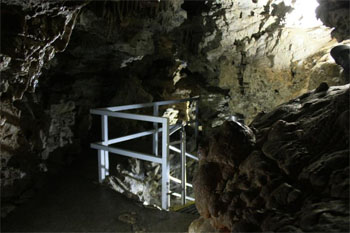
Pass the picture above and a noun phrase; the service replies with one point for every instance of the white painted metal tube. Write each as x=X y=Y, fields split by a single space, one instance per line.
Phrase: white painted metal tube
x=175 y=143
x=155 y=134
x=196 y=127
x=144 y=105
x=179 y=195
x=127 y=153
x=133 y=136
x=129 y=116
x=165 y=165
x=101 y=166
x=129 y=137
x=173 y=148
x=183 y=166
x=192 y=156
x=104 y=123
x=175 y=128
x=176 y=180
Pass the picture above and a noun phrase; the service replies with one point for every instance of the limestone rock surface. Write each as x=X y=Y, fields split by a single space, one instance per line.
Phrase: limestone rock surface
x=32 y=32
x=287 y=171
x=281 y=52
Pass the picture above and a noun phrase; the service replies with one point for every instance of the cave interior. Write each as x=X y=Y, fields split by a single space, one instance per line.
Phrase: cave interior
x=272 y=82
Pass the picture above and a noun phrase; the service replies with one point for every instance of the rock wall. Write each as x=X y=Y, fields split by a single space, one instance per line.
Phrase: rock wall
x=335 y=14
x=97 y=69
x=262 y=52
x=31 y=33
x=287 y=171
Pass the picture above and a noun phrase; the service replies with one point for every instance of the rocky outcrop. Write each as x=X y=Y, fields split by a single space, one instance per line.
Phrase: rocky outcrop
x=281 y=52
x=201 y=225
x=32 y=32
x=335 y=14
x=287 y=171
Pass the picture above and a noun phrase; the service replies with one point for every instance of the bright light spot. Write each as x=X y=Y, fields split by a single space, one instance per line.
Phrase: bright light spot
x=303 y=14
x=36 y=82
x=172 y=114
x=177 y=74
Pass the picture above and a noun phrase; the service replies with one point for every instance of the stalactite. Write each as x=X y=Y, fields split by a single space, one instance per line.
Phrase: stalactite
x=188 y=38
x=151 y=11
x=104 y=9
x=158 y=9
x=137 y=5
x=123 y=3
x=127 y=6
x=241 y=73
x=133 y=6
x=119 y=10
x=116 y=12
x=112 y=24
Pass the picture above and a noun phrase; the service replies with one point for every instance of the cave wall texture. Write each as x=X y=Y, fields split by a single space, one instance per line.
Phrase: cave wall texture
x=288 y=171
x=32 y=32
x=242 y=57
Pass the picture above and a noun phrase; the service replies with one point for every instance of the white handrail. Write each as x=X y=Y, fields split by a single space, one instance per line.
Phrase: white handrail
x=104 y=147
x=145 y=105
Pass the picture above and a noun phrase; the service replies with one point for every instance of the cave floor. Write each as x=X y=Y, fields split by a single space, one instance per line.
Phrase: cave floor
x=75 y=202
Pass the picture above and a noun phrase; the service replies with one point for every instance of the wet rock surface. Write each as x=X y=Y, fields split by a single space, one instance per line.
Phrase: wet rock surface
x=289 y=171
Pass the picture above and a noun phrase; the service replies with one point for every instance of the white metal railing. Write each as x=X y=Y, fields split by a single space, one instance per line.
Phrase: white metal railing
x=104 y=147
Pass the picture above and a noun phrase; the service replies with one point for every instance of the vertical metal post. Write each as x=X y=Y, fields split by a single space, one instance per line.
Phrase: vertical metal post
x=196 y=120
x=101 y=166
x=155 y=135
x=105 y=154
x=183 y=166
x=165 y=164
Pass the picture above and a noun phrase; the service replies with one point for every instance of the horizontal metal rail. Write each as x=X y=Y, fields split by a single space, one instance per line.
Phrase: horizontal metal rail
x=175 y=142
x=138 y=135
x=133 y=154
x=179 y=195
x=175 y=128
x=145 y=105
x=173 y=148
x=130 y=116
x=176 y=180
x=129 y=137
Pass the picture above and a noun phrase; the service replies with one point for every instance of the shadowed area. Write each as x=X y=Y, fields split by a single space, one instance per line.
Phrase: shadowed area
x=75 y=202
